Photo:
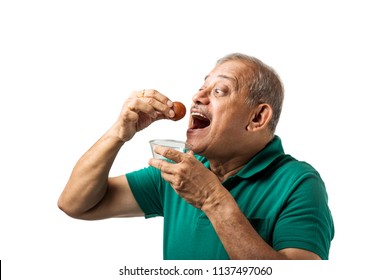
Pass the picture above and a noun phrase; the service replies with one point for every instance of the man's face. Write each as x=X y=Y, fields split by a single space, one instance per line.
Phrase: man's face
x=219 y=114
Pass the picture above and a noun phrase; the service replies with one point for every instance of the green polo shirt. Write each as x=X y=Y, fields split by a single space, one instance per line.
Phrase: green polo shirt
x=285 y=200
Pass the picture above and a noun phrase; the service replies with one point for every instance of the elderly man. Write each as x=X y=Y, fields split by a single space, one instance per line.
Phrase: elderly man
x=235 y=195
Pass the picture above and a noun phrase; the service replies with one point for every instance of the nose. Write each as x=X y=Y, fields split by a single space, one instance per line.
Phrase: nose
x=201 y=97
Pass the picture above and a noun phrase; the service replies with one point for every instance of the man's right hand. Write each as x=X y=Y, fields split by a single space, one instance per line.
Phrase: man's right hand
x=90 y=193
x=139 y=111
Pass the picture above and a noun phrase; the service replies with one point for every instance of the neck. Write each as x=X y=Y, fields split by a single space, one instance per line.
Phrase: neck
x=225 y=170
x=230 y=165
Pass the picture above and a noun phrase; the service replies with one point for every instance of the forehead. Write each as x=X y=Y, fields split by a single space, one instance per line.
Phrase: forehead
x=232 y=71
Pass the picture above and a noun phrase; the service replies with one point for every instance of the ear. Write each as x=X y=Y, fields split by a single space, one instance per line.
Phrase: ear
x=261 y=116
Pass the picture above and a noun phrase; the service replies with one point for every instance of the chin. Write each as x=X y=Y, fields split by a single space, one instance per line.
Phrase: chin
x=197 y=146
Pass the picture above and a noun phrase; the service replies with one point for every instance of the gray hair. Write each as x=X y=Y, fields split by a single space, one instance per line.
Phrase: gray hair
x=263 y=83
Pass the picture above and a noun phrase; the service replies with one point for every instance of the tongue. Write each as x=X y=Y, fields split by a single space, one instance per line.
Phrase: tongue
x=200 y=123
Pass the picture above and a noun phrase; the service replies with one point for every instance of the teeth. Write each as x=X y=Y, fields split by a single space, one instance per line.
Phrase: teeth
x=199 y=114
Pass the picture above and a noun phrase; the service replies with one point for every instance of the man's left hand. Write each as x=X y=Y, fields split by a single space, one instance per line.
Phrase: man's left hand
x=188 y=177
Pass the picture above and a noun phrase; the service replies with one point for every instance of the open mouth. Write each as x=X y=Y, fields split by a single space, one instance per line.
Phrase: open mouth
x=199 y=120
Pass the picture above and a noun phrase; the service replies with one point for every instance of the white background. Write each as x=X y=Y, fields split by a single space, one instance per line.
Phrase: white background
x=67 y=66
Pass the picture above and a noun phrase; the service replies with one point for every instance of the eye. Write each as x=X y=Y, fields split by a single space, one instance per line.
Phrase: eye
x=218 y=92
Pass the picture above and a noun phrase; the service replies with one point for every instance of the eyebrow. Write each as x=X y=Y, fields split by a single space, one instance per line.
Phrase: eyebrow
x=232 y=79
x=229 y=78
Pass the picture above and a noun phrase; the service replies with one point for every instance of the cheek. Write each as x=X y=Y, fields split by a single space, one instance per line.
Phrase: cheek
x=232 y=121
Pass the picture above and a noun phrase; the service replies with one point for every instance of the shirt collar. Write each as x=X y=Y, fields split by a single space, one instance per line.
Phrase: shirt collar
x=258 y=162
x=262 y=159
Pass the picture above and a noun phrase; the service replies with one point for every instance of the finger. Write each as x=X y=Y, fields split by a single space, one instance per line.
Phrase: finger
x=167 y=172
x=137 y=105
x=170 y=178
x=158 y=101
x=162 y=165
x=164 y=110
x=139 y=93
x=169 y=153
x=130 y=116
x=151 y=93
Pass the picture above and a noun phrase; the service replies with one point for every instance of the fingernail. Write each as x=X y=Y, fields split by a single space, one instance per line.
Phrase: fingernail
x=171 y=113
x=169 y=103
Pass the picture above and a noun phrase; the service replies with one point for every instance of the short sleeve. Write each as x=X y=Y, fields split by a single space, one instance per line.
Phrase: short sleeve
x=306 y=221
x=147 y=187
